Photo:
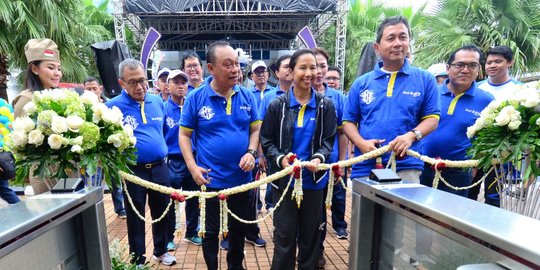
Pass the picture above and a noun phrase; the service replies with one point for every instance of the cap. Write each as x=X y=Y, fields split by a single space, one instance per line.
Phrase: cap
x=257 y=64
x=163 y=72
x=438 y=69
x=176 y=73
x=41 y=49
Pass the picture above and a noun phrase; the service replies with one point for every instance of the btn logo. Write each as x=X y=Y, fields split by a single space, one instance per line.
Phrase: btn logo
x=206 y=112
x=170 y=122
x=131 y=121
x=367 y=96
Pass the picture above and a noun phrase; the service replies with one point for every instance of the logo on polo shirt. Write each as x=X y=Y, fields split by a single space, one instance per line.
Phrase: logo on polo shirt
x=367 y=96
x=170 y=122
x=246 y=108
x=131 y=121
x=411 y=93
x=474 y=112
x=206 y=112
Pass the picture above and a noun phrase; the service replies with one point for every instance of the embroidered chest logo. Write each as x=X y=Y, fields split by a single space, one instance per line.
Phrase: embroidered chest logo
x=170 y=122
x=206 y=112
x=131 y=121
x=367 y=96
x=412 y=93
x=474 y=112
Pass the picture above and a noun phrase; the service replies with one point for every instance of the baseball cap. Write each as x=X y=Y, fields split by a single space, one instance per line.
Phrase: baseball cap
x=258 y=64
x=438 y=69
x=163 y=72
x=41 y=49
x=176 y=73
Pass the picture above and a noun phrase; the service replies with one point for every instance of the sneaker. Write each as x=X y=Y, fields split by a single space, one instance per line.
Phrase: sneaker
x=122 y=215
x=258 y=242
x=321 y=262
x=171 y=246
x=194 y=240
x=224 y=244
x=165 y=259
x=342 y=234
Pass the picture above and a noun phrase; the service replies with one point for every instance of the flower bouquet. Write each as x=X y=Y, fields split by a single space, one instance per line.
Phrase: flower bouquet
x=72 y=133
x=506 y=137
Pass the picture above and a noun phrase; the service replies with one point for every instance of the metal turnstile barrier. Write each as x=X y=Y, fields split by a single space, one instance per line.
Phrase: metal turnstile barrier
x=404 y=225
x=55 y=231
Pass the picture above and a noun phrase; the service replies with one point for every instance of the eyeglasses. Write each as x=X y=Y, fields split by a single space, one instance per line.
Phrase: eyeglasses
x=260 y=72
x=461 y=66
x=332 y=79
x=134 y=83
x=193 y=67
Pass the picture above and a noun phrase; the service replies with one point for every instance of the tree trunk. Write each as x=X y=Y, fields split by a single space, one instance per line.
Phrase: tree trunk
x=3 y=77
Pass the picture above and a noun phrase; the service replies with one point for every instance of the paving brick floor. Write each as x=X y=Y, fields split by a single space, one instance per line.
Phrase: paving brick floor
x=190 y=256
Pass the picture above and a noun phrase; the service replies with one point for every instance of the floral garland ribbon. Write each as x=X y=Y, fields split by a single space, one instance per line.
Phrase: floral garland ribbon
x=297 y=165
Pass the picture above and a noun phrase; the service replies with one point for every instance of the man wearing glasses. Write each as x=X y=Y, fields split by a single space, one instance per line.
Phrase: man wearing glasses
x=144 y=113
x=333 y=77
x=192 y=65
x=461 y=104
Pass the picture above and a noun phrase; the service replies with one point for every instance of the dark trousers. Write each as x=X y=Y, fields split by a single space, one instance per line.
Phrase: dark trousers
x=157 y=202
x=338 y=212
x=491 y=195
x=7 y=194
x=117 y=197
x=457 y=177
x=290 y=222
x=181 y=179
x=253 y=230
x=237 y=230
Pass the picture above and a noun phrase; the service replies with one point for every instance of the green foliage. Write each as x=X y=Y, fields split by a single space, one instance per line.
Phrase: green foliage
x=362 y=22
x=117 y=252
x=65 y=22
x=485 y=23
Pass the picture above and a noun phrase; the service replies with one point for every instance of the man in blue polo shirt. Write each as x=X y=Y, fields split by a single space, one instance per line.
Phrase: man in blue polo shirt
x=395 y=104
x=178 y=171
x=191 y=64
x=145 y=114
x=461 y=104
x=224 y=121
x=259 y=74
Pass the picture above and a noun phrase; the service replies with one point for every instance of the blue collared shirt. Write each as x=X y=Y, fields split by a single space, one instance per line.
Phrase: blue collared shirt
x=449 y=140
x=173 y=112
x=386 y=105
x=268 y=97
x=147 y=126
x=221 y=130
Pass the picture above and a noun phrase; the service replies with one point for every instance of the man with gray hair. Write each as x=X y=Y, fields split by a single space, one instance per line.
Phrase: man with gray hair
x=145 y=114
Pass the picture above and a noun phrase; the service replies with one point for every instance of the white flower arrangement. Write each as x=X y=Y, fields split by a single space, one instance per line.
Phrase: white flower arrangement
x=507 y=129
x=63 y=128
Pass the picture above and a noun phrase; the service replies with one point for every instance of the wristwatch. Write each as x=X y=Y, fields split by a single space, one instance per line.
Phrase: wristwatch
x=252 y=152
x=417 y=134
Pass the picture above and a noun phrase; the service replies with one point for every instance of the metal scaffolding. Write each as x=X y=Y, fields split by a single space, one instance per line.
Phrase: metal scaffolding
x=247 y=24
x=341 y=38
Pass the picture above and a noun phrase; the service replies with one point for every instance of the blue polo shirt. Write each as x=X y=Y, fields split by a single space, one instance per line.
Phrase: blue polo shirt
x=259 y=94
x=147 y=124
x=386 y=105
x=304 y=127
x=173 y=112
x=339 y=103
x=449 y=140
x=221 y=131
x=268 y=97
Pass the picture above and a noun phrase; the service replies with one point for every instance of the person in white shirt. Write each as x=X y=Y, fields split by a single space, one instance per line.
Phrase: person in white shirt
x=499 y=83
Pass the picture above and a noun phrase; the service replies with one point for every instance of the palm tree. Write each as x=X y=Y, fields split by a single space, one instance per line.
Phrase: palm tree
x=362 y=22
x=485 y=23
x=61 y=21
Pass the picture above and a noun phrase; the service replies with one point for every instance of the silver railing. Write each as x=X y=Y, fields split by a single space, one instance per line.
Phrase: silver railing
x=404 y=225
x=55 y=231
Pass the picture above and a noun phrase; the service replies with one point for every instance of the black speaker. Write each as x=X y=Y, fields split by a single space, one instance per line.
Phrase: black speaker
x=108 y=55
